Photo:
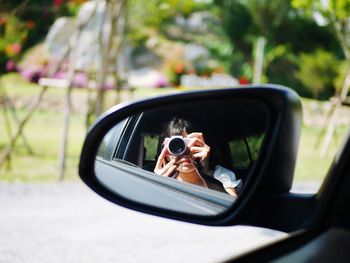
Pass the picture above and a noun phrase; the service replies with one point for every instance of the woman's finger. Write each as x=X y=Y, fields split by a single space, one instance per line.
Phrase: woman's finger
x=198 y=135
x=172 y=162
x=160 y=160
x=200 y=155
x=170 y=171
x=200 y=152
x=195 y=149
x=195 y=142
x=163 y=170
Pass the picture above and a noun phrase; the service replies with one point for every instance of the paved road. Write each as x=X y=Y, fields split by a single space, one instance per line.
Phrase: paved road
x=67 y=222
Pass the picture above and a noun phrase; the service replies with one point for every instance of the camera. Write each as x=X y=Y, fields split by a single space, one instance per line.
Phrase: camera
x=176 y=145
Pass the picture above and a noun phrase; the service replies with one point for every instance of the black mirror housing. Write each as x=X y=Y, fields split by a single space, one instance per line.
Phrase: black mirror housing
x=272 y=174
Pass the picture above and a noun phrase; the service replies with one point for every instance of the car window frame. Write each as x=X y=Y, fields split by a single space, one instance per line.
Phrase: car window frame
x=201 y=194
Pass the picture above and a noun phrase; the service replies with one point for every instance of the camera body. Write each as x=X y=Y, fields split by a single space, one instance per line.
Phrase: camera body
x=176 y=145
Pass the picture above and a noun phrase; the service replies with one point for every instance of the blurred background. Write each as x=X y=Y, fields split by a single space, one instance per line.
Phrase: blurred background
x=63 y=62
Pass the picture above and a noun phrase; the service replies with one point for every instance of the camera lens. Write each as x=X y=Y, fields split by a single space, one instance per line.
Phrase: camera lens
x=177 y=146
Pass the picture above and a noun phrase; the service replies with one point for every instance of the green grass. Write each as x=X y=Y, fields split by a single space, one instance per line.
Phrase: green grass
x=311 y=166
x=44 y=133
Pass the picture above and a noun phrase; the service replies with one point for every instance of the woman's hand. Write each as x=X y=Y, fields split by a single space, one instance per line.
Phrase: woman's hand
x=198 y=148
x=231 y=191
x=163 y=167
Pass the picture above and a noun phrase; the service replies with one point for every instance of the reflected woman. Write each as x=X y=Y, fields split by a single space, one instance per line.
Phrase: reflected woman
x=193 y=165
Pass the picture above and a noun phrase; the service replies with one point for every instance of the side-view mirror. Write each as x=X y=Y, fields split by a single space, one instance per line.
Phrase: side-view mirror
x=210 y=157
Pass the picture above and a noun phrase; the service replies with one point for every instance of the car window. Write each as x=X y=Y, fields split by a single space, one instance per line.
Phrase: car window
x=239 y=152
x=244 y=151
x=109 y=141
x=150 y=144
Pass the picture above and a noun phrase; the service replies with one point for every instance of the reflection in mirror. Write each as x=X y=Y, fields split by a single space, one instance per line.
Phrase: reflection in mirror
x=190 y=157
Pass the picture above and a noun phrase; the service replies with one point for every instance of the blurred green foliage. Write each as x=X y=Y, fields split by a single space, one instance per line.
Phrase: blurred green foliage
x=337 y=8
x=289 y=34
x=319 y=71
x=151 y=17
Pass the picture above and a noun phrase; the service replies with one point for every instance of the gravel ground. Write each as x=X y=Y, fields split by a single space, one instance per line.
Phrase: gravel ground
x=67 y=222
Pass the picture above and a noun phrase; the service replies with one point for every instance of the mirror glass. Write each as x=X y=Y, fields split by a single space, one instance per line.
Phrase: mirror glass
x=192 y=158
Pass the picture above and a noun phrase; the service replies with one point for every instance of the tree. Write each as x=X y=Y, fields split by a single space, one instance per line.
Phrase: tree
x=250 y=25
x=337 y=14
x=319 y=70
x=283 y=33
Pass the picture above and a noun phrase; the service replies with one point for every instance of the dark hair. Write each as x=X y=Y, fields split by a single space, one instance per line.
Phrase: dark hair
x=176 y=126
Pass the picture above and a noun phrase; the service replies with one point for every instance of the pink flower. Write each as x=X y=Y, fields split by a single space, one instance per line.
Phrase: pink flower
x=11 y=66
x=13 y=49
x=80 y=80
x=162 y=81
x=16 y=48
x=32 y=74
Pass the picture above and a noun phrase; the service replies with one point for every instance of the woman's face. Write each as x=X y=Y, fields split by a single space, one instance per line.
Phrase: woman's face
x=185 y=163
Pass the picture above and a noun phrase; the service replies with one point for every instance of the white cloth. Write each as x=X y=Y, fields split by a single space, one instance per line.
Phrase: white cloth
x=227 y=177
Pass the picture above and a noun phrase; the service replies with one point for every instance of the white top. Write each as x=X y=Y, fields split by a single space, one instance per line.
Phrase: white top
x=227 y=177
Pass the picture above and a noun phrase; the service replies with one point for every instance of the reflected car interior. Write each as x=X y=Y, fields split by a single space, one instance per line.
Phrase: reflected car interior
x=234 y=139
